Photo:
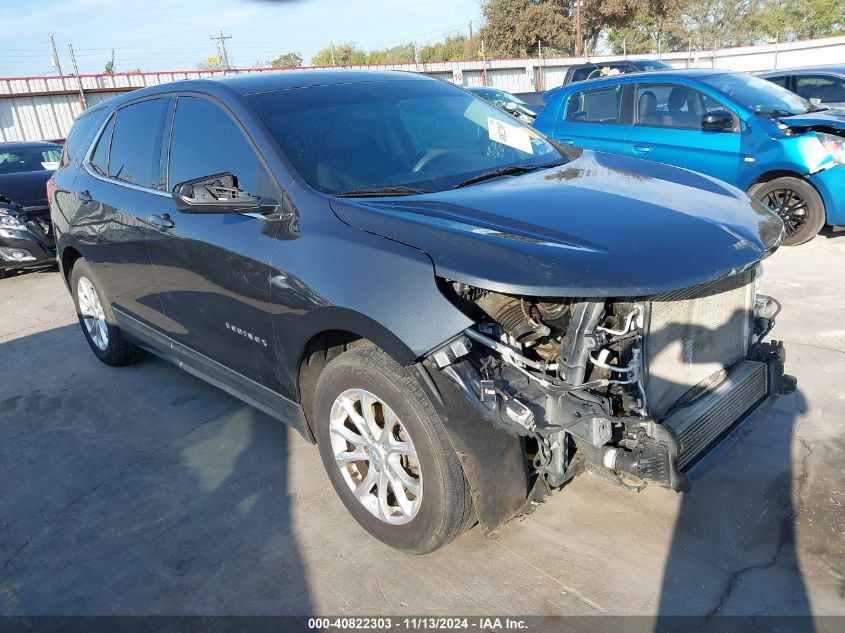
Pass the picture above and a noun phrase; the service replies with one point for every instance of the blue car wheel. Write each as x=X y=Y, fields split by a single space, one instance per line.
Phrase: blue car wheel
x=797 y=203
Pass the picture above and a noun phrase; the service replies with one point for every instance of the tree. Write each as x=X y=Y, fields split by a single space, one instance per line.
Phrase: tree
x=512 y=28
x=454 y=47
x=347 y=54
x=401 y=54
x=109 y=69
x=286 y=60
x=802 y=19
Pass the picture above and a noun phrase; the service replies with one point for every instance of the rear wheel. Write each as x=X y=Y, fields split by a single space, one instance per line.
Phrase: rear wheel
x=387 y=453
x=797 y=203
x=97 y=319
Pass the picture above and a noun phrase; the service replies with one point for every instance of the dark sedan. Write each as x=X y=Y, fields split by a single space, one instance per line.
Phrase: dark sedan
x=458 y=311
x=512 y=104
x=26 y=238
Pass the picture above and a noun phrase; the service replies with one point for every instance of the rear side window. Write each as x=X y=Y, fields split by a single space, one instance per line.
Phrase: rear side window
x=602 y=105
x=207 y=141
x=80 y=136
x=136 y=143
x=100 y=157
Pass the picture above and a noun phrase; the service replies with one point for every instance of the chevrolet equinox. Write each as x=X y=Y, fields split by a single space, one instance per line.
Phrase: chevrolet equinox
x=461 y=313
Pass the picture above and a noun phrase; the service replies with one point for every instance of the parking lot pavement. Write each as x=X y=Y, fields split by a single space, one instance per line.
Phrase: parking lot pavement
x=142 y=490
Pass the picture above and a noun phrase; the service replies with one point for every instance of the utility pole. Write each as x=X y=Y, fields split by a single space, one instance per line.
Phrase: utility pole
x=82 y=100
x=221 y=42
x=331 y=46
x=577 y=28
x=483 y=63
x=56 y=61
x=470 y=30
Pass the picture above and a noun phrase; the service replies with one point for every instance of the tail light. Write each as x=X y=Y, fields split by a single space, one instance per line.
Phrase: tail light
x=50 y=190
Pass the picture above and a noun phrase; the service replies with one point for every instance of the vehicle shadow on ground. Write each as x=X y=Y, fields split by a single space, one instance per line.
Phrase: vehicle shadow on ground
x=137 y=491
x=733 y=551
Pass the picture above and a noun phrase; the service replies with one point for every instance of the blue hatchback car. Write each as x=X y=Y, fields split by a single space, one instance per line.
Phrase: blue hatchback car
x=744 y=130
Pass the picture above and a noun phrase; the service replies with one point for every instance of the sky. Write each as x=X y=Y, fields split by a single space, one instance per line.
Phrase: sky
x=175 y=34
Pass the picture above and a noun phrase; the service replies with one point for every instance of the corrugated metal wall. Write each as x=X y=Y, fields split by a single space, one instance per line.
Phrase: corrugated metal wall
x=35 y=108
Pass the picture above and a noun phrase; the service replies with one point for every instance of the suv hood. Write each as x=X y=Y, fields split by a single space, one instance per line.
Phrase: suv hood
x=601 y=225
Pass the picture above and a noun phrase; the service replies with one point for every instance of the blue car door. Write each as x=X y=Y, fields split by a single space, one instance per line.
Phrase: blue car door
x=594 y=119
x=667 y=128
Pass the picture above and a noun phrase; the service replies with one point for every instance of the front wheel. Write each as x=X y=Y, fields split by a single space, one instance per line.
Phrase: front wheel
x=387 y=454
x=797 y=203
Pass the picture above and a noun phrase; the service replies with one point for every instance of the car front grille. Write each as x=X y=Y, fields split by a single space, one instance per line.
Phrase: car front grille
x=692 y=335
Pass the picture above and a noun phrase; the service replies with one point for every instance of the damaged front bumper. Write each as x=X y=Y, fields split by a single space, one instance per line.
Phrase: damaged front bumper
x=634 y=390
x=26 y=242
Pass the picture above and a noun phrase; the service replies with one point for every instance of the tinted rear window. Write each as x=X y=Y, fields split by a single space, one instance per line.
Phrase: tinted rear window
x=136 y=143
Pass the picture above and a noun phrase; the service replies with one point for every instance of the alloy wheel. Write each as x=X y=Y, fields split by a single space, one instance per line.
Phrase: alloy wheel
x=92 y=313
x=376 y=456
x=790 y=207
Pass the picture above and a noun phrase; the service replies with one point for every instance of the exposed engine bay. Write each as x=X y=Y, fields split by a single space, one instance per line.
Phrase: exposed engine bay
x=636 y=389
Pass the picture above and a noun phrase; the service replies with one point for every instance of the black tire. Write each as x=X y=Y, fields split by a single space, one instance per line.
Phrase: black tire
x=797 y=203
x=118 y=351
x=445 y=506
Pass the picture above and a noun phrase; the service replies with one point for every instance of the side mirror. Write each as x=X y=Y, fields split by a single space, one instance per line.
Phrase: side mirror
x=218 y=193
x=717 y=120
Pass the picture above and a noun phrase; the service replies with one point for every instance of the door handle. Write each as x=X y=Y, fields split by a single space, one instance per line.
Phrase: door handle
x=641 y=149
x=84 y=196
x=162 y=222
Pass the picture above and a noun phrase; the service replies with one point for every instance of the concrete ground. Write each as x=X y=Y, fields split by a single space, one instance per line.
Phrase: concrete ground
x=144 y=491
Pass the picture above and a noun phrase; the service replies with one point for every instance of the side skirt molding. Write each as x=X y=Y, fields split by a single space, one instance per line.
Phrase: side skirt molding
x=254 y=394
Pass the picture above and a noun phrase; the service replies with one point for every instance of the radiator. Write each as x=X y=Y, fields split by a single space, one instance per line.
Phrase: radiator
x=692 y=335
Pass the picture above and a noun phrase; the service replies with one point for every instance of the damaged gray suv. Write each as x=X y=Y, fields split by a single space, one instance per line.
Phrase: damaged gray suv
x=460 y=312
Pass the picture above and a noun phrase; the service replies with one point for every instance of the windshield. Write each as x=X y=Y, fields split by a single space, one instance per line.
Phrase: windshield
x=499 y=97
x=401 y=136
x=29 y=159
x=759 y=95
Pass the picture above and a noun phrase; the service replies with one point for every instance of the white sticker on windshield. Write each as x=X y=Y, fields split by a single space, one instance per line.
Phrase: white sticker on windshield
x=510 y=135
x=50 y=165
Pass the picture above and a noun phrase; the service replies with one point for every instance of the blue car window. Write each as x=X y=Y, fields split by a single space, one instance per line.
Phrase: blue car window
x=600 y=105
x=673 y=106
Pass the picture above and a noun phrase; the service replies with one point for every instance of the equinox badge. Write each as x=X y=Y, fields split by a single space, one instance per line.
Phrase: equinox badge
x=245 y=334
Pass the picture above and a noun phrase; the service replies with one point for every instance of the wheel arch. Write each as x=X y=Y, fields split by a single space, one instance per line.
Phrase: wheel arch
x=334 y=330
x=67 y=258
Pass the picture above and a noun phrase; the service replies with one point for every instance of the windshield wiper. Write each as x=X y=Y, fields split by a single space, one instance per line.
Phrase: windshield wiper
x=510 y=170
x=818 y=108
x=381 y=191
x=777 y=112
